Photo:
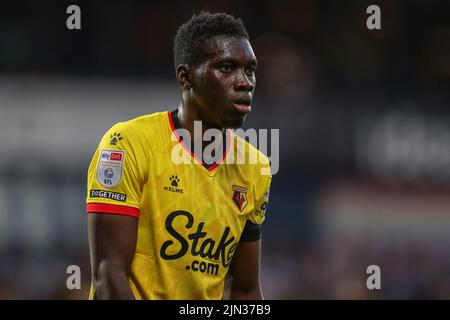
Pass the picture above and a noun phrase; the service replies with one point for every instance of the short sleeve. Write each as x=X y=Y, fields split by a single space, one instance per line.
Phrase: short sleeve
x=115 y=175
x=261 y=192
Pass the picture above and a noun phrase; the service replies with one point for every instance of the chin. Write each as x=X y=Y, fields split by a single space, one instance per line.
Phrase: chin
x=235 y=122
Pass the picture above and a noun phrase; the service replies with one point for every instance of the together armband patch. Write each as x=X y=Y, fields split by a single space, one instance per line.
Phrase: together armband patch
x=108 y=195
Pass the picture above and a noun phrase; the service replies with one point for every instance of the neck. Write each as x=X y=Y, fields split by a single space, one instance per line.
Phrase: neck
x=187 y=115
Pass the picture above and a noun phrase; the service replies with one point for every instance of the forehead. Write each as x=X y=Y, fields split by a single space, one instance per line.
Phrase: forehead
x=225 y=47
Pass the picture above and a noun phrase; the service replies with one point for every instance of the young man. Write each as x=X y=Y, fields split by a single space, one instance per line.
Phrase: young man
x=161 y=229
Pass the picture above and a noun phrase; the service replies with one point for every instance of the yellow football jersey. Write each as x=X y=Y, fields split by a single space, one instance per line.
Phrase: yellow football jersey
x=191 y=216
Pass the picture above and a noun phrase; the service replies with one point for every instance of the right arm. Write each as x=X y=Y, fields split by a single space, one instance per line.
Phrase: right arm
x=115 y=176
x=112 y=243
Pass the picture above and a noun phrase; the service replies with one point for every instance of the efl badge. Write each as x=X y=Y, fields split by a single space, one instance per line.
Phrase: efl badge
x=109 y=169
x=240 y=197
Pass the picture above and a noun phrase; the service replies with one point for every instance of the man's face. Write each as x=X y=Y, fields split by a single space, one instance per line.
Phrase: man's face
x=223 y=85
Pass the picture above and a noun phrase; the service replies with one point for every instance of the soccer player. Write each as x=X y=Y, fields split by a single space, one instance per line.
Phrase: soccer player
x=170 y=225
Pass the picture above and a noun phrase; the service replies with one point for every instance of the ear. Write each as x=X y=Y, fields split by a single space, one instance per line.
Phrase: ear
x=184 y=76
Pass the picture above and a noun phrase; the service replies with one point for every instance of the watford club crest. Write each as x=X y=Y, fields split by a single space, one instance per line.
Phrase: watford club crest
x=240 y=197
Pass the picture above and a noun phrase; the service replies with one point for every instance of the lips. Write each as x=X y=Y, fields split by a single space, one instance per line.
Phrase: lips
x=244 y=101
x=243 y=104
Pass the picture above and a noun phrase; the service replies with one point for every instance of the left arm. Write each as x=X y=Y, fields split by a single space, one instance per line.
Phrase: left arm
x=244 y=272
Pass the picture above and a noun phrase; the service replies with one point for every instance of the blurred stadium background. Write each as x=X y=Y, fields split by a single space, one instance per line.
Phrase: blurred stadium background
x=364 y=119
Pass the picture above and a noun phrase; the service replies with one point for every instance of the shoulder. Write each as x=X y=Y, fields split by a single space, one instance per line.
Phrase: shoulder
x=142 y=125
x=135 y=135
x=143 y=130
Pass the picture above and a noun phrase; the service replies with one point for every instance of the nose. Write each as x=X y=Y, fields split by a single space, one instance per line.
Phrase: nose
x=243 y=82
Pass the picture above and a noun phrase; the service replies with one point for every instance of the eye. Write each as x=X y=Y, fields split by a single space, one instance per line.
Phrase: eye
x=226 y=68
x=250 y=70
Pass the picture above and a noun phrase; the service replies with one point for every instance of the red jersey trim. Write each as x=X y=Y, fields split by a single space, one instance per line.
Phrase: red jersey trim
x=215 y=165
x=113 y=209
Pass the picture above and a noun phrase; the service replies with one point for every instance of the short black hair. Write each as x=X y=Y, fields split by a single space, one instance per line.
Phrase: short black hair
x=189 y=44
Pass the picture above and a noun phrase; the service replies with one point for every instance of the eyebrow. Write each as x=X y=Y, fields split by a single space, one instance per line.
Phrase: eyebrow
x=252 y=62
